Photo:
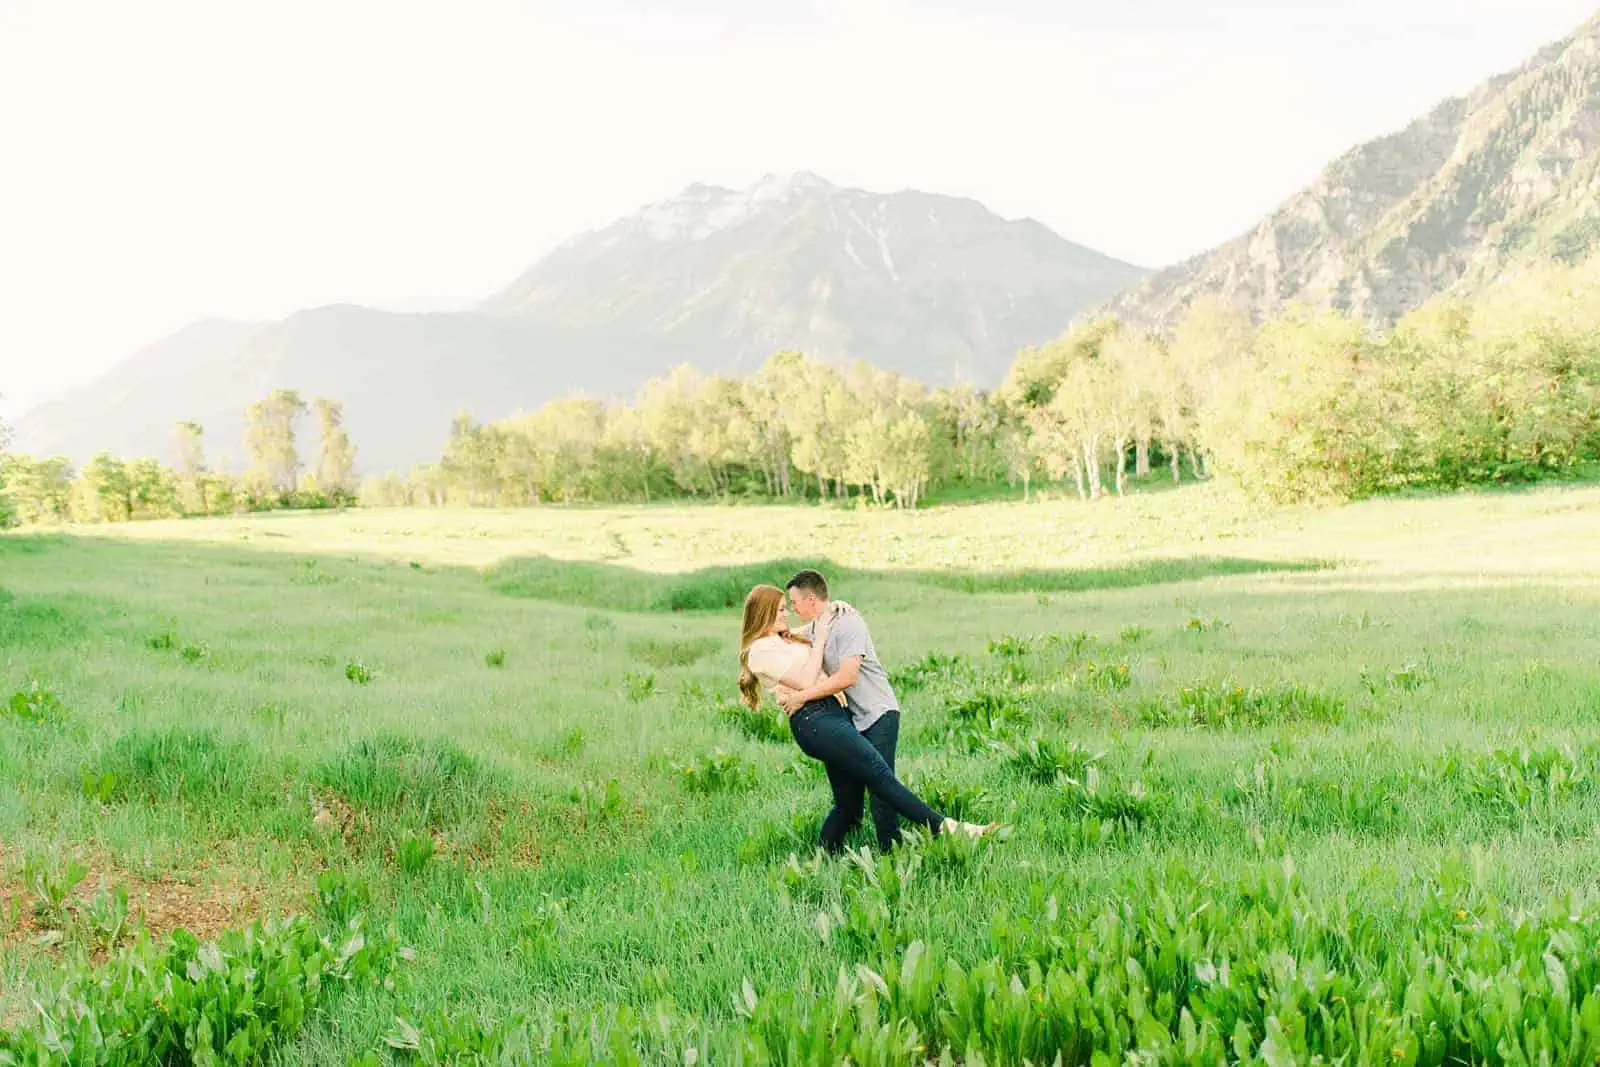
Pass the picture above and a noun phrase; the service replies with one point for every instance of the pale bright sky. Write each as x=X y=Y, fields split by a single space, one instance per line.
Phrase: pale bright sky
x=168 y=160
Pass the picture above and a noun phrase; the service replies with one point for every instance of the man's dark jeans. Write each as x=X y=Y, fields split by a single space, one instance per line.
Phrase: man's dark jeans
x=858 y=763
x=884 y=735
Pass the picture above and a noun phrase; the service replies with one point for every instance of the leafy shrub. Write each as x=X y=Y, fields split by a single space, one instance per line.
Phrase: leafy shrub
x=50 y=886
x=1013 y=672
x=194 y=653
x=804 y=769
x=35 y=704
x=982 y=718
x=639 y=687
x=1223 y=705
x=106 y=918
x=930 y=669
x=599 y=804
x=232 y=1000
x=1521 y=779
x=760 y=724
x=1010 y=646
x=1072 y=644
x=1106 y=677
x=538 y=929
x=720 y=772
x=1351 y=798
x=1091 y=795
x=495 y=658
x=1045 y=760
x=805 y=882
x=359 y=673
x=987 y=705
x=438 y=1038
x=162 y=641
x=955 y=800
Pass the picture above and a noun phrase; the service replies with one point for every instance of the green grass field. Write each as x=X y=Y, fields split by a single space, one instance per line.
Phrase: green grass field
x=1282 y=783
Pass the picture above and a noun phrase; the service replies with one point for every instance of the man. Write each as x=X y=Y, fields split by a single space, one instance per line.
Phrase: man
x=851 y=663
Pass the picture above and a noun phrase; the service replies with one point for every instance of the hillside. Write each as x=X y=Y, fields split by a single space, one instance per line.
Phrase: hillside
x=1506 y=175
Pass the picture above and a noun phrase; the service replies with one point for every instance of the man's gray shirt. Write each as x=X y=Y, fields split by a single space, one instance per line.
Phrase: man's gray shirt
x=871 y=696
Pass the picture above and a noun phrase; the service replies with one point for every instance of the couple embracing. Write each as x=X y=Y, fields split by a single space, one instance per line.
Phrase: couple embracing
x=842 y=710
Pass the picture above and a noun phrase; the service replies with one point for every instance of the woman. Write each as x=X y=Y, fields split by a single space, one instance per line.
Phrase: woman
x=769 y=655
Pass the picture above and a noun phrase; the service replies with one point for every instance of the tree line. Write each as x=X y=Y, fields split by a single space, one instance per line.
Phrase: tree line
x=1309 y=405
x=109 y=489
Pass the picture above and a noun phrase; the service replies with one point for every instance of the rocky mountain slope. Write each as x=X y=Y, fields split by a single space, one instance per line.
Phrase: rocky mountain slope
x=1508 y=174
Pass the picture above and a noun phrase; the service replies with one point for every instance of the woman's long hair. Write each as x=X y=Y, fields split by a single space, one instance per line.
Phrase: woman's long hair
x=761 y=609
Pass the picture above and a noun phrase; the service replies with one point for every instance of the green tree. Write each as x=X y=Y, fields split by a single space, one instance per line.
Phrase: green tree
x=153 y=490
x=337 y=461
x=471 y=466
x=270 y=443
x=819 y=420
x=193 y=475
x=775 y=403
x=670 y=408
x=107 y=491
x=629 y=467
x=1020 y=455
x=1308 y=417
x=222 y=493
x=724 y=438
x=1213 y=342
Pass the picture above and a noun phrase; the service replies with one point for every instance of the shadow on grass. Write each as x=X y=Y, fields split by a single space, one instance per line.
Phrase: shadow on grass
x=616 y=588
x=962 y=494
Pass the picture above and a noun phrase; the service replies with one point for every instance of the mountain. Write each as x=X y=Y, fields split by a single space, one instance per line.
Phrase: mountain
x=1506 y=175
x=935 y=287
x=931 y=286
x=400 y=377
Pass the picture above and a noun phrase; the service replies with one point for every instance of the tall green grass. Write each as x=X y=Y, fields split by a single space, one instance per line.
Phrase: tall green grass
x=594 y=854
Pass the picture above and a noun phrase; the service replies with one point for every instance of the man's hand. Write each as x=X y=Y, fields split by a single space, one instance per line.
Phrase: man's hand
x=790 y=700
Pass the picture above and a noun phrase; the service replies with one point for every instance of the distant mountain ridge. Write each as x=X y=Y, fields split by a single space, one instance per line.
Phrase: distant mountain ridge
x=1507 y=174
x=934 y=287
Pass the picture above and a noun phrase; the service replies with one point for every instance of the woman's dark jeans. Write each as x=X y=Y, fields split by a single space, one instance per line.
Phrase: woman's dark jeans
x=824 y=731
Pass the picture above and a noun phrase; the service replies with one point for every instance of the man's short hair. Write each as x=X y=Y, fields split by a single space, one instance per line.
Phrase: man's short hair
x=809 y=582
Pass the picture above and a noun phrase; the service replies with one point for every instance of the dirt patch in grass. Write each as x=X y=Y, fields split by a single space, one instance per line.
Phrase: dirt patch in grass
x=221 y=901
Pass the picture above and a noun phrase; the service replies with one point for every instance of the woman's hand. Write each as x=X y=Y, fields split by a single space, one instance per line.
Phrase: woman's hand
x=789 y=699
x=820 y=628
